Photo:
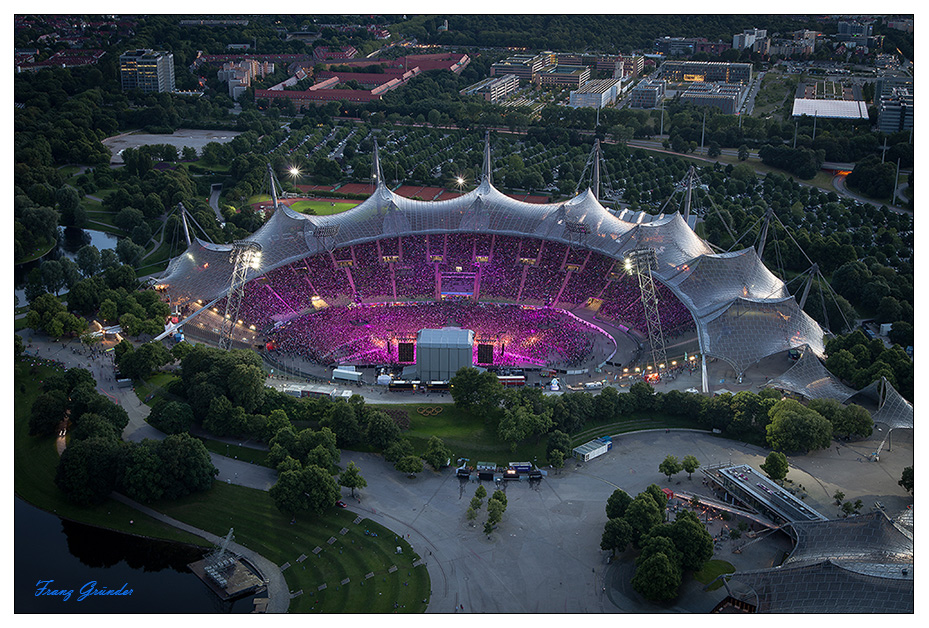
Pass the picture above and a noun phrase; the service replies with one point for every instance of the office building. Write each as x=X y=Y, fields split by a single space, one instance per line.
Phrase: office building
x=525 y=67
x=647 y=94
x=493 y=89
x=894 y=98
x=854 y=29
x=564 y=75
x=147 y=70
x=596 y=94
x=706 y=72
x=239 y=75
x=728 y=98
x=752 y=38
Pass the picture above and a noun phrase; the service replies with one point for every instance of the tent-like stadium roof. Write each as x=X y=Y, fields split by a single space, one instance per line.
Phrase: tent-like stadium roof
x=861 y=564
x=808 y=377
x=742 y=311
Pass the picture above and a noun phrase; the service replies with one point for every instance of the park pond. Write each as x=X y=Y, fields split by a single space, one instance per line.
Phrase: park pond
x=72 y=555
x=70 y=240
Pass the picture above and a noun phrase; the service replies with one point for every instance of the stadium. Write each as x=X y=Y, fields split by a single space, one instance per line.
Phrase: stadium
x=548 y=286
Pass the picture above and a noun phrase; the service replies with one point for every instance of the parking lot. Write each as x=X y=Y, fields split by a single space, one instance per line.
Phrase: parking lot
x=194 y=138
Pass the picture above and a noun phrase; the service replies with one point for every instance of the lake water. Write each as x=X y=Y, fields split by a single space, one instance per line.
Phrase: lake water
x=69 y=244
x=72 y=555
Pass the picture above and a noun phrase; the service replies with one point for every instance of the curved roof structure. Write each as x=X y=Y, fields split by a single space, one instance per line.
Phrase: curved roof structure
x=809 y=377
x=861 y=564
x=892 y=409
x=742 y=311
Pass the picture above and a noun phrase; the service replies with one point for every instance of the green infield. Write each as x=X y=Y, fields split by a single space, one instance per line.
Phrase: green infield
x=322 y=208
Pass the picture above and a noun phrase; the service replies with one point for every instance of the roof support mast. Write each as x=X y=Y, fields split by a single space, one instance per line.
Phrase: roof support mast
x=244 y=255
x=643 y=262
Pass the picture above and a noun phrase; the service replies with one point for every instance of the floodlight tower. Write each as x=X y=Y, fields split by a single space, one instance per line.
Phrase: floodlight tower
x=642 y=262
x=245 y=255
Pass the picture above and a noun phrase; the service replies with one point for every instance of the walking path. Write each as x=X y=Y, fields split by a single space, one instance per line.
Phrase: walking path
x=277 y=590
x=100 y=365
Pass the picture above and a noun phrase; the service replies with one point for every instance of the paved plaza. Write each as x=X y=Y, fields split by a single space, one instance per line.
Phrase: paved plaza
x=545 y=556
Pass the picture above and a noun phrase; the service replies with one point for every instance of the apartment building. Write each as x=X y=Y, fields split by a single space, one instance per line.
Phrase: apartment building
x=147 y=70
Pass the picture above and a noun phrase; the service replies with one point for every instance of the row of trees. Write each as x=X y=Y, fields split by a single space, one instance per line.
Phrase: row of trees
x=762 y=418
x=496 y=506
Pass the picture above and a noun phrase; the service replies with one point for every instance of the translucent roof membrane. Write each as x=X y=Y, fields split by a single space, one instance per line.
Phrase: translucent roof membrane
x=742 y=311
x=861 y=564
x=809 y=377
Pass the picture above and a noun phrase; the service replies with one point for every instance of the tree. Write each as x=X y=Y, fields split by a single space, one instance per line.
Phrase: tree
x=743 y=152
x=775 y=465
x=93 y=425
x=411 y=465
x=398 y=449
x=838 y=496
x=186 y=466
x=480 y=492
x=287 y=493
x=691 y=538
x=437 y=454
x=171 y=417
x=142 y=479
x=657 y=578
x=246 y=385
x=617 y=534
x=495 y=510
x=351 y=478
x=475 y=390
x=854 y=420
x=556 y=459
x=88 y=470
x=476 y=503
x=88 y=260
x=48 y=411
x=617 y=503
x=690 y=464
x=906 y=479
x=669 y=466
x=381 y=430
x=642 y=515
x=795 y=427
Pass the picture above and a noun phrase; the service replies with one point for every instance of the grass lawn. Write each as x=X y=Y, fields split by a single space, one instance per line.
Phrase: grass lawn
x=35 y=460
x=259 y=525
x=712 y=569
x=465 y=434
x=152 y=386
x=239 y=452
x=468 y=436
x=322 y=208
x=37 y=251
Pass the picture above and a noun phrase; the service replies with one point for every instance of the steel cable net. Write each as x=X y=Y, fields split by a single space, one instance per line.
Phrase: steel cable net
x=824 y=587
x=748 y=330
x=860 y=564
x=809 y=377
x=892 y=409
x=713 y=281
x=743 y=313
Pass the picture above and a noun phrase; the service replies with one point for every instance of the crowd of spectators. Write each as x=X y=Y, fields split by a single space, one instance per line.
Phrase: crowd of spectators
x=310 y=295
x=371 y=333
